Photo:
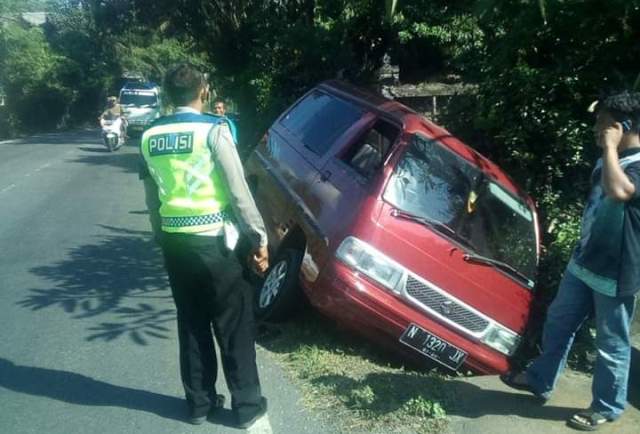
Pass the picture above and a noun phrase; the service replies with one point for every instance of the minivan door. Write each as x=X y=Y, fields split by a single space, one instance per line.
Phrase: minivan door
x=298 y=147
x=349 y=175
x=315 y=126
x=316 y=123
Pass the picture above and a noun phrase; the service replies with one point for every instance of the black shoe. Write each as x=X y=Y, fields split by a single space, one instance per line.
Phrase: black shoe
x=518 y=381
x=587 y=420
x=245 y=419
x=216 y=405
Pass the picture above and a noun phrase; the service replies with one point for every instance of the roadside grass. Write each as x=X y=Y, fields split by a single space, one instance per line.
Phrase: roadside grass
x=348 y=379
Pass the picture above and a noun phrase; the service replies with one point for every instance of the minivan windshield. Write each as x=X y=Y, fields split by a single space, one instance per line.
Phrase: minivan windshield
x=138 y=100
x=433 y=182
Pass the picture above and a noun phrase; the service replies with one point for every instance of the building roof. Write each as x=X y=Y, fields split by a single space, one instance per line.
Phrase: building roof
x=34 y=18
x=429 y=89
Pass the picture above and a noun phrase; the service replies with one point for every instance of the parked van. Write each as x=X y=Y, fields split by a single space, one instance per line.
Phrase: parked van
x=394 y=228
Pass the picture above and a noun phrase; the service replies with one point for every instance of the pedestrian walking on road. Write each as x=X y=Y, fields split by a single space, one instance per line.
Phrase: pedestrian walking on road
x=603 y=274
x=195 y=191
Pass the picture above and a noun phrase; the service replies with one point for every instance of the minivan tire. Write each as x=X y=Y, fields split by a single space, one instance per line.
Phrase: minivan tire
x=279 y=296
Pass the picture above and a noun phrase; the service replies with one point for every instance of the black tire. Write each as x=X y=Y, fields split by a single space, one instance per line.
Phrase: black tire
x=284 y=297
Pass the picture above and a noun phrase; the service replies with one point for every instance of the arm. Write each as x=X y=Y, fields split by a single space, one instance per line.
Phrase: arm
x=152 y=200
x=247 y=215
x=615 y=182
x=234 y=130
x=122 y=116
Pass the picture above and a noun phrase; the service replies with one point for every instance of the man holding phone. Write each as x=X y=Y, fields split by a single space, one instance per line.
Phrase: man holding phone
x=603 y=274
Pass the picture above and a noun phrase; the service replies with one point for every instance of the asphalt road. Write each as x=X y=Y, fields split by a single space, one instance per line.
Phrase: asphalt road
x=86 y=318
x=87 y=324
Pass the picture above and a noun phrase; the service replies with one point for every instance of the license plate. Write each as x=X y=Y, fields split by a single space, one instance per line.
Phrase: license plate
x=433 y=347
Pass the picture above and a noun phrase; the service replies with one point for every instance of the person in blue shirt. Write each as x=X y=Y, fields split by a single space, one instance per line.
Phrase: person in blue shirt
x=603 y=274
x=220 y=110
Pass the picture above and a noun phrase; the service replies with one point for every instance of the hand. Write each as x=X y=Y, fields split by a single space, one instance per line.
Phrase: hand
x=610 y=136
x=259 y=260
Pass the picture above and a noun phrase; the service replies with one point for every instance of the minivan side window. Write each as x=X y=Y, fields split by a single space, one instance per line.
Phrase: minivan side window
x=369 y=151
x=319 y=119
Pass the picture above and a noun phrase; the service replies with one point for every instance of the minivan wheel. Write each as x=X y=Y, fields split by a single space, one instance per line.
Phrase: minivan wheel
x=279 y=295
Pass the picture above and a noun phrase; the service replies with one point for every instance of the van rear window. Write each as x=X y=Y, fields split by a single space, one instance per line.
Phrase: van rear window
x=319 y=119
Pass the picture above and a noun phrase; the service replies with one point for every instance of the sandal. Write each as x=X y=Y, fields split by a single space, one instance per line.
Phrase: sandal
x=587 y=420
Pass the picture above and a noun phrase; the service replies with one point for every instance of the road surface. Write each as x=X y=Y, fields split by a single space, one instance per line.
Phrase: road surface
x=87 y=322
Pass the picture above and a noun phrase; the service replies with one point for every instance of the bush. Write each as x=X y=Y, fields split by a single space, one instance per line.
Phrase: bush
x=7 y=129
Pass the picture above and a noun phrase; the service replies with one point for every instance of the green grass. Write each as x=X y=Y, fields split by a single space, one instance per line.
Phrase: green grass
x=350 y=380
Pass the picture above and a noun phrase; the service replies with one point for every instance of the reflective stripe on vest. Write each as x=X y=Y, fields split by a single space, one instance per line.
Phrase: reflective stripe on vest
x=177 y=154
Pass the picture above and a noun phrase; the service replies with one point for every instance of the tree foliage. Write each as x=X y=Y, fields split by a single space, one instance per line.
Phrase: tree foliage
x=537 y=64
x=539 y=69
x=60 y=73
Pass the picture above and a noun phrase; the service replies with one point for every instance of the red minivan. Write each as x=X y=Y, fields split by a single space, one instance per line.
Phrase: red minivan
x=394 y=228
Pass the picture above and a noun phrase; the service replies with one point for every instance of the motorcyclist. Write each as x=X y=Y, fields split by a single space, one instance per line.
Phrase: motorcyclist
x=112 y=113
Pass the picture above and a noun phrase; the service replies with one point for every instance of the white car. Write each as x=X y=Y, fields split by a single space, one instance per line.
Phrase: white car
x=141 y=106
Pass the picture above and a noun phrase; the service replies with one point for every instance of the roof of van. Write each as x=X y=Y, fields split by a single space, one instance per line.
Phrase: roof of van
x=369 y=98
x=414 y=122
x=147 y=85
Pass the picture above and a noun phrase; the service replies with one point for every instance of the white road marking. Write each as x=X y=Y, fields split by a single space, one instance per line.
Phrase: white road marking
x=28 y=174
x=7 y=188
x=44 y=166
x=261 y=426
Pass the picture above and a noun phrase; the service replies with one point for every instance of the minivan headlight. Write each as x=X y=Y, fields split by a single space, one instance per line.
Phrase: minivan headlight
x=370 y=262
x=502 y=339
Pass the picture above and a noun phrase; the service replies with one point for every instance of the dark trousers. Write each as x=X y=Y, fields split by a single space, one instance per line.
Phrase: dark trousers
x=209 y=291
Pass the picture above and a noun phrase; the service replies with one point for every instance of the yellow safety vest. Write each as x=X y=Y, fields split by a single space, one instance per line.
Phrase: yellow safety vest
x=178 y=157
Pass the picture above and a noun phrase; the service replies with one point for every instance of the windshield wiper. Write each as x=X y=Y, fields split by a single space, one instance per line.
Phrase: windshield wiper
x=426 y=221
x=434 y=224
x=479 y=259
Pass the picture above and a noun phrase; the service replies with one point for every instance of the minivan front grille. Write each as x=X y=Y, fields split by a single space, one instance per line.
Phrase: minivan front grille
x=445 y=306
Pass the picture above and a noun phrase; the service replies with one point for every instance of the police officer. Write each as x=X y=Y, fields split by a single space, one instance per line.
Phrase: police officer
x=196 y=191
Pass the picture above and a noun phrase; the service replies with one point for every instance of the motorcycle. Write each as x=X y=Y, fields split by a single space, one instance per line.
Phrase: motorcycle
x=112 y=133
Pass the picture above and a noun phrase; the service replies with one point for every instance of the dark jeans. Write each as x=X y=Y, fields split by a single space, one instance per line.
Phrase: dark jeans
x=209 y=290
x=571 y=307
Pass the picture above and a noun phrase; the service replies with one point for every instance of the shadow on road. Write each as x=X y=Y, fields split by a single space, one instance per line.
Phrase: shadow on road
x=119 y=281
x=82 y=390
x=96 y=150
x=79 y=137
x=128 y=161
x=471 y=401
